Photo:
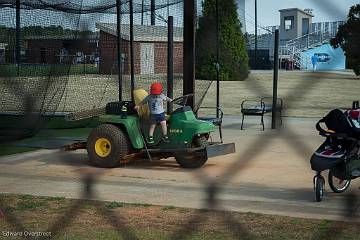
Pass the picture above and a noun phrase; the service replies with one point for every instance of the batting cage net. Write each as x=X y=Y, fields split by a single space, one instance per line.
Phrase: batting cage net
x=59 y=57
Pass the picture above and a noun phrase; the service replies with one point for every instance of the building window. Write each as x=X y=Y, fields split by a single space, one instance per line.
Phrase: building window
x=289 y=23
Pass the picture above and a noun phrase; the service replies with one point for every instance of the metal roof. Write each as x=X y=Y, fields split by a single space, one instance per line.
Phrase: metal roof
x=142 y=33
x=70 y=36
x=296 y=9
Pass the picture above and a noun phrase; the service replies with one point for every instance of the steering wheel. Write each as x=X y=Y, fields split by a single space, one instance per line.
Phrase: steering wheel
x=181 y=100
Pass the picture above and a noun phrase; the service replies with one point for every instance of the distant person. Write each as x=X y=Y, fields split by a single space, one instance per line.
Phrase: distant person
x=314 y=61
x=63 y=55
x=97 y=61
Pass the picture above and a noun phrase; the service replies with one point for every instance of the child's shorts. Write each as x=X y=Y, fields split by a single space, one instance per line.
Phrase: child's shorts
x=157 y=118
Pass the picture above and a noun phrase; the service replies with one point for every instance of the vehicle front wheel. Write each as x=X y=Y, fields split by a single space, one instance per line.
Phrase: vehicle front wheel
x=107 y=145
x=196 y=159
x=319 y=188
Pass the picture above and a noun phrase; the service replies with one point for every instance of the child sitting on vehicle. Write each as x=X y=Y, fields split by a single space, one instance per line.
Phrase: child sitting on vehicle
x=155 y=102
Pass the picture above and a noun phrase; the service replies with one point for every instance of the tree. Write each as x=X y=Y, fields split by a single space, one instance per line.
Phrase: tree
x=348 y=38
x=233 y=55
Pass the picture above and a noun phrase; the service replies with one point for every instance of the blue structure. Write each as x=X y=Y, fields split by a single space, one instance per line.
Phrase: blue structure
x=329 y=59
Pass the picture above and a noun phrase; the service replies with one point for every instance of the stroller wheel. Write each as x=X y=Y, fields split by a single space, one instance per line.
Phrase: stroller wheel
x=336 y=184
x=319 y=188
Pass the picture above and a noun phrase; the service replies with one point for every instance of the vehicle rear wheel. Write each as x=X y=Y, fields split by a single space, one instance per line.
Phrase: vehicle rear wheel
x=194 y=160
x=107 y=145
x=337 y=185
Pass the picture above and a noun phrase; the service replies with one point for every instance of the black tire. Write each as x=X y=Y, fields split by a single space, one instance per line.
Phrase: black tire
x=332 y=183
x=319 y=188
x=193 y=160
x=119 y=145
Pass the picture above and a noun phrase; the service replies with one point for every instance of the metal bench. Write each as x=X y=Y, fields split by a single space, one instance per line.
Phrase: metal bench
x=263 y=106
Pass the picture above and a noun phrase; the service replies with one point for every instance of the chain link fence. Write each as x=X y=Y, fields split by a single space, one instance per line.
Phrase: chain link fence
x=67 y=62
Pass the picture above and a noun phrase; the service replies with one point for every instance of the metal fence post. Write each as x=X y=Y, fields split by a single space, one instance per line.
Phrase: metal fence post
x=152 y=12
x=170 y=62
x=189 y=50
x=132 y=48
x=119 y=60
x=275 y=80
x=217 y=61
x=17 y=36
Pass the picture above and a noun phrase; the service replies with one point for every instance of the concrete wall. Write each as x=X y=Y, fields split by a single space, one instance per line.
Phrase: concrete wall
x=330 y=59
x=52 y=48
x=296 y=31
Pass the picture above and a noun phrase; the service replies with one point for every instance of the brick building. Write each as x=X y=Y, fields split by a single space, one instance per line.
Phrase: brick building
x=150 y=49
x=61 y=49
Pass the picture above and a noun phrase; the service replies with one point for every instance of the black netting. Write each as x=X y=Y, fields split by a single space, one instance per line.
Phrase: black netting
x=67 y=56
x=89 y=6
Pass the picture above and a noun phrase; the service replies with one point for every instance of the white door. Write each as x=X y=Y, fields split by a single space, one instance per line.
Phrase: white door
x=147 y=58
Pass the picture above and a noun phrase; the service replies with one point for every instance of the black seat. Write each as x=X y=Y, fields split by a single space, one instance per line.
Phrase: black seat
x=259 y=108
x=217 y=121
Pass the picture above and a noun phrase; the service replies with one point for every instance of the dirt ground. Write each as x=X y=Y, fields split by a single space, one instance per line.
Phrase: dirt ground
x=269 y=173
x=305 y=94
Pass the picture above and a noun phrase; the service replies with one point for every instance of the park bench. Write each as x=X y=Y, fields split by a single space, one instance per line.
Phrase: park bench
x=260 y=108
x=217 y=121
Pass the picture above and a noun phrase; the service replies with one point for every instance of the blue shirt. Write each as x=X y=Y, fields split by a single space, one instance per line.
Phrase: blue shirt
x=314 y=59
x=156 y=103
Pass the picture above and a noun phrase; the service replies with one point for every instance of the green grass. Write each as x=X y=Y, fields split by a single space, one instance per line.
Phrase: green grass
x=8 y=149
x=113 y=205
x=305 y=94
x=126 y=221
x=29 y=144
x=30 y=205
x=12 y=70
x=165 y=208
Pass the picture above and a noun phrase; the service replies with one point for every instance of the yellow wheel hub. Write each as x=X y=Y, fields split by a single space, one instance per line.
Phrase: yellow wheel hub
x=103 y=147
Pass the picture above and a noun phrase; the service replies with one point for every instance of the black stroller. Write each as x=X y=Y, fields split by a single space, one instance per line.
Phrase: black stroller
x=339 y=152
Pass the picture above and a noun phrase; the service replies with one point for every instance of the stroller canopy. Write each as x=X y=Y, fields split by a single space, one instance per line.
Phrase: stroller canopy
x=337 y=121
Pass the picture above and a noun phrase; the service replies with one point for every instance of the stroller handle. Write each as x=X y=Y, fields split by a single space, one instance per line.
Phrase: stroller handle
x=331 y=133
x=322 y=132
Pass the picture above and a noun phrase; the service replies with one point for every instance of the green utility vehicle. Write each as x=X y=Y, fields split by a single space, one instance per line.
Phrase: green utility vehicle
x=120 y=136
